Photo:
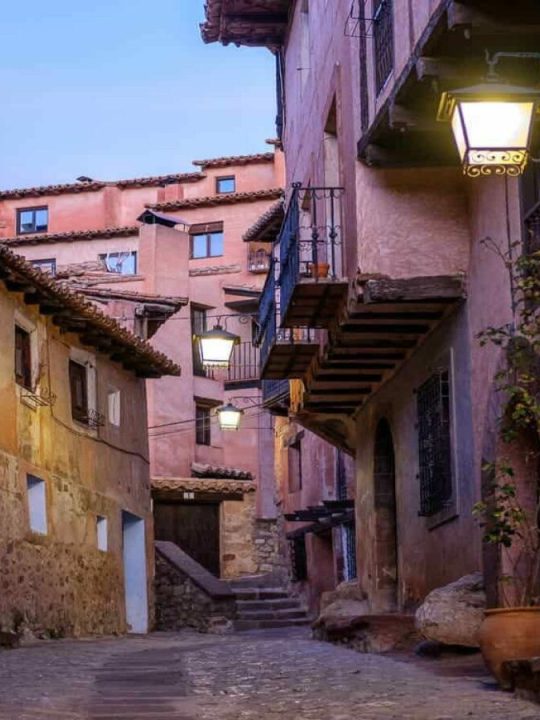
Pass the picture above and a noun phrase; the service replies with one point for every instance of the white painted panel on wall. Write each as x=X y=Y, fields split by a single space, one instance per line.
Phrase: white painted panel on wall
x=37 y=504
x=101 y=531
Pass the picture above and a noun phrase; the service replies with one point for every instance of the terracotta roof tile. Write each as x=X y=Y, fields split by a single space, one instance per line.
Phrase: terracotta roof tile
x=159 y=180
x=203 y=470
x=208 y=485
x=122 y=345
x=263 y=26
x=268 y=225
x=113 y=293
x=226 y=199
x=76 y=236
x=235 y=160
x=40 y=190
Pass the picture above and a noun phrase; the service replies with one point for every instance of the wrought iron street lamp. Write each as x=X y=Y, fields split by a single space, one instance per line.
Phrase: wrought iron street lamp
x=216 y=347
x=229 y=417
x=492 y=123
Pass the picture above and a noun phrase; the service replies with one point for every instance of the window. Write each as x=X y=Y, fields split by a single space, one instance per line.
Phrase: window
x=101 y=533
x=37 y=504
x=434 y=444
x=203 y=434
x=47 y=265
x=23 y=358
x=206 y=240
x=383 y=41
x=295 y=466
x=113 y=407
x=198 y=326
x=32 y=220
x=226 y=184
x=123 y=263
x=297 y=547
x=78 y=383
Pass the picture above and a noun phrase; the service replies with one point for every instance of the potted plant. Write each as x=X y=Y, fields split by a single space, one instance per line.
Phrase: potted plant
x=318 y=270
x=510 y=510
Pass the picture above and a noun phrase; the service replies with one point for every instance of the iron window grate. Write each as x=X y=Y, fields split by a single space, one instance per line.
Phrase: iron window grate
x=434 y=444
x=383 y=41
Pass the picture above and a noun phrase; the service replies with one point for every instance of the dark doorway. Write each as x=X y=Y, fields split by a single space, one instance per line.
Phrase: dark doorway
x=193 y=527
x=384 y=479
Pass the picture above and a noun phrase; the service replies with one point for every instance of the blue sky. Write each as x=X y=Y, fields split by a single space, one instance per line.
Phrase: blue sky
x=123 y=88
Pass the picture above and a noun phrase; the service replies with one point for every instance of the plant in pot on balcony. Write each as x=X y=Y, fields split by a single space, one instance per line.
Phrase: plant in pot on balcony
x=510 y=511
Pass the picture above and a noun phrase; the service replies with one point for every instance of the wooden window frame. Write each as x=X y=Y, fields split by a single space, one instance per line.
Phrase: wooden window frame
x=203 y=427
x=223 y=178
x=23 y=362
x=32 y=209
x=208 y=237
x=78 y=413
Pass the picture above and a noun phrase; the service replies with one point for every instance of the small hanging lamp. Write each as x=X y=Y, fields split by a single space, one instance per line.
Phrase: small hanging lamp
x=216 y=347
x=229 y=417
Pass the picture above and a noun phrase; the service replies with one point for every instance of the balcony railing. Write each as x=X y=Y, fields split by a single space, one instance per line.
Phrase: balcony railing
x=310 y=240
x=244 y=366
x=259 y=261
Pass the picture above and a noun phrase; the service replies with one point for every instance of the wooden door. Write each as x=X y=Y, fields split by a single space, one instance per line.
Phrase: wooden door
x=193 y=527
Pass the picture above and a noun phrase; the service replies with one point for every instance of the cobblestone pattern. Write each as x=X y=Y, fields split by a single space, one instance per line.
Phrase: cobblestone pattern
x=263 y=676
x=180 y=603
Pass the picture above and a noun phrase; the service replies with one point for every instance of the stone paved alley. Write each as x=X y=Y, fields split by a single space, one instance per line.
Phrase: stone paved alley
x=255 y=676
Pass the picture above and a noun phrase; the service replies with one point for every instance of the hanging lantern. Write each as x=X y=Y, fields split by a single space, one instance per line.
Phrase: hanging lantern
x=492 y=125
x=229 y=417
x=216 y=347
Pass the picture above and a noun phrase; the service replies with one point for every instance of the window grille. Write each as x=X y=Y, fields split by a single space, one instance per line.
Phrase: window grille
x=434 y=444
x=297 y=547
x=383 y=41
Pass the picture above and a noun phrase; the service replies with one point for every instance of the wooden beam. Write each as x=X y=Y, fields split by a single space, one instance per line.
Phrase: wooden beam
x=440 y=287
x=438 y=68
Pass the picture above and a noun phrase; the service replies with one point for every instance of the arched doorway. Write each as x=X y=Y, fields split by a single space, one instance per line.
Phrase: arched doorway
x=386 y=555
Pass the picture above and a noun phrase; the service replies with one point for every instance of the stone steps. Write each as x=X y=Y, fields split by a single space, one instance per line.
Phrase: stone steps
x=261 y=606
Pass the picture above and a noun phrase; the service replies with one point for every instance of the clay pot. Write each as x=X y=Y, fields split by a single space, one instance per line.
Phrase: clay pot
x=319 y=270
x=509 y=634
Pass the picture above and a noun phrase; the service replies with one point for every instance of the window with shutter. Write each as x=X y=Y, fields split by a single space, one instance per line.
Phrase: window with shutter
x=78 y=384
x=23 y=358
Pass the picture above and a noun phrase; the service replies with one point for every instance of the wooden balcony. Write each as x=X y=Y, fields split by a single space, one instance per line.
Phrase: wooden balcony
x=449 y=54
x=378 y=332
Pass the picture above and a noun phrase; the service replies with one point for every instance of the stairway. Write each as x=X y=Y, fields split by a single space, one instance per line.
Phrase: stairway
x=260 y=605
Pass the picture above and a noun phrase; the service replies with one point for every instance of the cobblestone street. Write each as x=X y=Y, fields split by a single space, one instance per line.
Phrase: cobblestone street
x=259 y=676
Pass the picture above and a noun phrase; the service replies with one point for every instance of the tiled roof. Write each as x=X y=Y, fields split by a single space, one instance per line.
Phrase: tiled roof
x=76 y=236
x=235 y=160
x=225 y=199
x=214 y=486
x=74 y=313
x=219 y=471
x=152 y=217
x=113 y=293
x=159 y=180
x=267 y=226
x=244 y=22
x=37 y=191
x=94 y=185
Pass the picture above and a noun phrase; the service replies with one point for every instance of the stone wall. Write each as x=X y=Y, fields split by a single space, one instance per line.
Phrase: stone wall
x=272 y=550
x=188 y=596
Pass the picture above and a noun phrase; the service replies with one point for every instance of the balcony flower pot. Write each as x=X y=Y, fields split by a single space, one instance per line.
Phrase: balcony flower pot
x=509 y=634
x=318 y=270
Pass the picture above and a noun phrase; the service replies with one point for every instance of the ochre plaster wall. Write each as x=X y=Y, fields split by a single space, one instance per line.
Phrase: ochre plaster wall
x=60 y=583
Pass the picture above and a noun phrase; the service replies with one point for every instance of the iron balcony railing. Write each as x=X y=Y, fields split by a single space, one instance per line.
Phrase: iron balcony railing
x=244 y=366
x=259 y=261
x=310 y=239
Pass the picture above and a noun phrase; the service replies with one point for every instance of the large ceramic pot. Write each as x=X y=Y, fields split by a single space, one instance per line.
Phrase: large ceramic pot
x=509 y=634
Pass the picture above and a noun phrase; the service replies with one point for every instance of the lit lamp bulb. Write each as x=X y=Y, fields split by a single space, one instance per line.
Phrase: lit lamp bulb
x=229 y=417
x=216 y=347
x=492 y=125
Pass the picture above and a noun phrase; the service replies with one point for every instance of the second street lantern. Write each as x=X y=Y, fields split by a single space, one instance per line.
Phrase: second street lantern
x=229 y=417
x=216 y=347
x=492 y=125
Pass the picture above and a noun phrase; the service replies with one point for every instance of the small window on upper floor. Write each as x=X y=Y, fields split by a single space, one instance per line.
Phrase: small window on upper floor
x=113 y=402
x=226 y=184
x=207 y=245
x=32 y=220
x=23 y=358
x=78 y=383
x=47 y=265
x=203 y=433
x=123 y=263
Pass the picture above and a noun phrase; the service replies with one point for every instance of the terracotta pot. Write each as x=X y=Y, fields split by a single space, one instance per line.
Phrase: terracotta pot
x=319 y=270
x=509 y=634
